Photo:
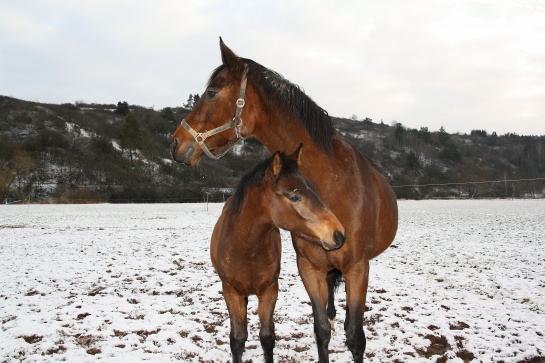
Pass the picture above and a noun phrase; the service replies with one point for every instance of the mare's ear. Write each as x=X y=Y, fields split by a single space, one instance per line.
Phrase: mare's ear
x=296 y=155
x=229 y=58
x=276 y=165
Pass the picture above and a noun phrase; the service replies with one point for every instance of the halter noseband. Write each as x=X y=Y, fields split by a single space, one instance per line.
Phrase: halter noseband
x=234 y=124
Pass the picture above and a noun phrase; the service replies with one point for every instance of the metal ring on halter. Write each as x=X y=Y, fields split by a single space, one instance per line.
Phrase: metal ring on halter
x=200 y=135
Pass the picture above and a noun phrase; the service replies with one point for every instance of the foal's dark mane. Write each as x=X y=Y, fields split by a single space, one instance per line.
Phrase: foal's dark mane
x=254 y=177
x=291 y=99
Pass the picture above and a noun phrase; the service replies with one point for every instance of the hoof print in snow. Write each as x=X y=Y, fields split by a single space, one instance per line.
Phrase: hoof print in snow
x=93 y=351
x=31 y=339
x=438 y=346
x=96 y=291
x=460 y=325
x=33 y=292
x=82 y=316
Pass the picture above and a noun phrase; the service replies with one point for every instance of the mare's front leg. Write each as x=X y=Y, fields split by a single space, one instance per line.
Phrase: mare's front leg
x=356 y=280
x=237 y=307
x=265 y=310
x=317 y=289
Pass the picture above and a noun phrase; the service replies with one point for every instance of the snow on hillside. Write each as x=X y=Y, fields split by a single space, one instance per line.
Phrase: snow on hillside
x=463 y=282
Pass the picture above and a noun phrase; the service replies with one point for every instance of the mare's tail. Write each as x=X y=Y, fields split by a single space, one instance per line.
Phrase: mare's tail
x=334 y=280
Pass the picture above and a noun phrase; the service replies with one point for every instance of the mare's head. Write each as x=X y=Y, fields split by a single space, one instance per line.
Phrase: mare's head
x=240 y=95
x=291 y=201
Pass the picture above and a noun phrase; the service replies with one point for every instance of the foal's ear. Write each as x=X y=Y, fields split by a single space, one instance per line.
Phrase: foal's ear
x=296 y=155
x=276 y=164
x=228 y=58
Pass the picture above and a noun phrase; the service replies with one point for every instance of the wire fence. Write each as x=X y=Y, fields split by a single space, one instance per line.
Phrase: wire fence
x=467 y=183
x=523 y=188
x=504 y=188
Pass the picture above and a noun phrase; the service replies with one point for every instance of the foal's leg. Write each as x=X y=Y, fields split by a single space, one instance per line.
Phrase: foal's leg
x=356 y=280
x=237 y=307
x=265 y=310
x=316 y=286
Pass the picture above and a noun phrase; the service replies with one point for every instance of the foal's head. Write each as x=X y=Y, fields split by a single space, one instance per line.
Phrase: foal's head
x=291 y=201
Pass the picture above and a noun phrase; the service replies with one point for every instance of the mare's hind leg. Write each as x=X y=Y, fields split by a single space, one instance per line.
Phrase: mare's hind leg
x=237 y=307
x=265 y=309
x=356 y=280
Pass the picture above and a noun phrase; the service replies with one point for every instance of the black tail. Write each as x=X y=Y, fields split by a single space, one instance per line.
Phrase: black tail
x=337 y=277
x=334 y=280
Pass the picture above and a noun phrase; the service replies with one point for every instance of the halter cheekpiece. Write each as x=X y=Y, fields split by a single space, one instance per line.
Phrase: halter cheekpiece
x=234 y=124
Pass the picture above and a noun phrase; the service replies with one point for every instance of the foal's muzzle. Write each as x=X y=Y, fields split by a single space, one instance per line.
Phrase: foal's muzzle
x=338 y=241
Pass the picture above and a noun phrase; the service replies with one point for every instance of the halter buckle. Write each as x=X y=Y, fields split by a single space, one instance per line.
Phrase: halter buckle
x=240 y=102
x=236 y=127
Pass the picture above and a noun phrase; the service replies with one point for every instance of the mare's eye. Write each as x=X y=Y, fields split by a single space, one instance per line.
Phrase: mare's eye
x=211 y=93
x=295 y=199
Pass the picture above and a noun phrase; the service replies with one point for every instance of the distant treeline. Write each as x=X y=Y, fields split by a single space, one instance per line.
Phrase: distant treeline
x=119 y=153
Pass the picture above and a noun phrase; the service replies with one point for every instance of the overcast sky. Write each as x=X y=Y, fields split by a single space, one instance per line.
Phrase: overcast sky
x=460 y=64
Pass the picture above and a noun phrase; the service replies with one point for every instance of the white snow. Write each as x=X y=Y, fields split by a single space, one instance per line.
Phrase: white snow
x=116 y=146
x=237 y=148
x=78 y=131
x=132 y=283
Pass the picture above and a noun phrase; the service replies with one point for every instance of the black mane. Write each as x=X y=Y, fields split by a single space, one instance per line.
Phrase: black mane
x=256 y=176
x=291 y=99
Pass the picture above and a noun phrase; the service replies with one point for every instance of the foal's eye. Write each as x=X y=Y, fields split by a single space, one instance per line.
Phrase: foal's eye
x=295 y=199
x=211 y=93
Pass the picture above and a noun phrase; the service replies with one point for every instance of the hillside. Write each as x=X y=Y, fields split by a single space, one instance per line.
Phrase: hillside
x=119 y=153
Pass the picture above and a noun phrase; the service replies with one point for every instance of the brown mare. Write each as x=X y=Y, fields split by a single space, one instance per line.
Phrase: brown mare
x=246 y=248
x=280 y=115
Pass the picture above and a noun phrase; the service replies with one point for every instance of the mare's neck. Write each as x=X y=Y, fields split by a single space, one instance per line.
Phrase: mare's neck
x=279 y=132
x=283 y=133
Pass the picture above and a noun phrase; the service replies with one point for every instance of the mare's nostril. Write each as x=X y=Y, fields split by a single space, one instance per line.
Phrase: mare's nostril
x=339 y=238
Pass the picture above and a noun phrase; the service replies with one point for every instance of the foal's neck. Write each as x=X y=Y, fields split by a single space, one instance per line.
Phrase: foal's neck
x=253 y=219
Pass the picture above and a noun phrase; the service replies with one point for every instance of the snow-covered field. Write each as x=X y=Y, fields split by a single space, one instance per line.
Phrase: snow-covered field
x=464 y=281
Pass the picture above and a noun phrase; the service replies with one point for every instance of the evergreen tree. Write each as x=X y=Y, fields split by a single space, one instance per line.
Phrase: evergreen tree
x=122 y=108
x=444 y=137
x=412 y=161
x=399 y=131
x=192 y=101
x=131 y=136
x=167 y=114
x=425 y=134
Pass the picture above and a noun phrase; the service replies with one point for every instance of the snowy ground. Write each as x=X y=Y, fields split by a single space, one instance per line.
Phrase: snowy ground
x=464 y=281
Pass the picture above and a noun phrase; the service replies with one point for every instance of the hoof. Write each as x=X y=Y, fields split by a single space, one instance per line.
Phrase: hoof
x=332 y=323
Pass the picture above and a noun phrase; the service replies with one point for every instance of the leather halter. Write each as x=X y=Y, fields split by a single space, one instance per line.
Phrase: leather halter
x=234 y=124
